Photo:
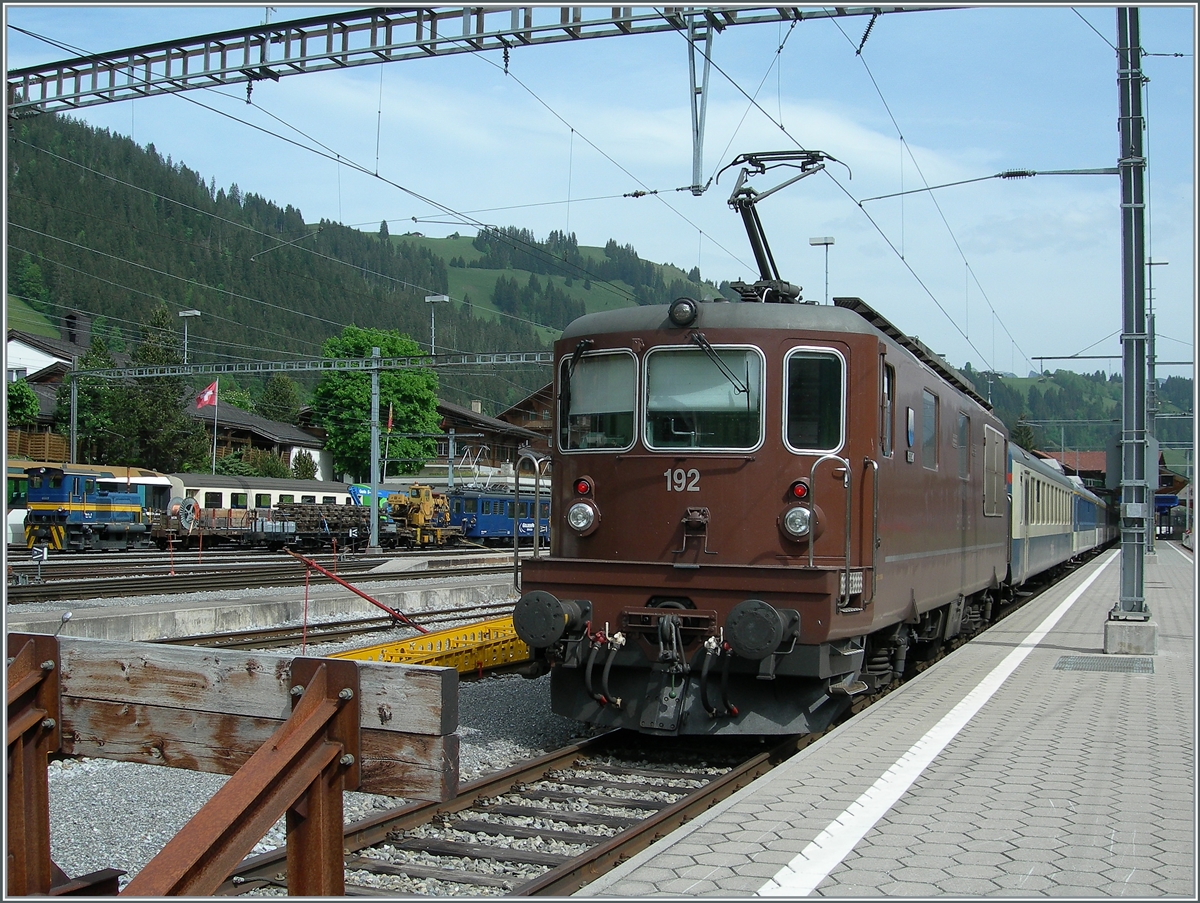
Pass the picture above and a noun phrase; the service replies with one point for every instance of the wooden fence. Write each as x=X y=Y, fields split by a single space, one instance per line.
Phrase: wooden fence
x=222 y=711
x=38 y=446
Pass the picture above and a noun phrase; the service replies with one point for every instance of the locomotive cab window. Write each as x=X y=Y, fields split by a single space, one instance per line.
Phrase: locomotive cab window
x=597 y=401
x=704 y=398
x=814 y=400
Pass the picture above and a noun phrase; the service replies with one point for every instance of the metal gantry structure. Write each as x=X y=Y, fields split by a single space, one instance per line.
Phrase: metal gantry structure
x=367 y=37
x=1135 y=512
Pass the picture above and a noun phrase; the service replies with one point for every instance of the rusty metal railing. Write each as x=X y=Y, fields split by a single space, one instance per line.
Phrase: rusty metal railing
x=302 y=770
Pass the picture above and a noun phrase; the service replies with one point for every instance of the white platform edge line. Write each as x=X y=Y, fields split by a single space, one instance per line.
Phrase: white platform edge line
x=1182 y=551
x=811 y=866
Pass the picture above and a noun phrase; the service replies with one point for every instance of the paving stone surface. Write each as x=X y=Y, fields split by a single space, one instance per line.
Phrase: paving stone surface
x=1065 y=783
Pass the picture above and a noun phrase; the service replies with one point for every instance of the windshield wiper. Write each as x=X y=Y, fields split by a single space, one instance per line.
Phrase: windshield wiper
x=738 y=386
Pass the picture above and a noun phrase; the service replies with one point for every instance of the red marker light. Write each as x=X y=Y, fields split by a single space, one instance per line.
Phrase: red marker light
x=799 y=489
x=582 y=487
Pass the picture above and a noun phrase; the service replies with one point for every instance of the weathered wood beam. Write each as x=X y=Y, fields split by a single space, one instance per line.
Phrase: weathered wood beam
x=209 y=710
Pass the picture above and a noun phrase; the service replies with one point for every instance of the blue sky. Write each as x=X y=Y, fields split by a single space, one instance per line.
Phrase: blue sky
x=995 y=273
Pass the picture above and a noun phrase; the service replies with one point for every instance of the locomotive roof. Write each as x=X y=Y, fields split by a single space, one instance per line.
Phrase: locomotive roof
x=851 y=315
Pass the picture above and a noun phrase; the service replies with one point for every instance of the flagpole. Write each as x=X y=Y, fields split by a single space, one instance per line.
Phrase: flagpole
x=216 y=405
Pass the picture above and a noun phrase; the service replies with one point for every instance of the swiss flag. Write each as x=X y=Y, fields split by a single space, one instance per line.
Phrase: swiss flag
x=208 y=396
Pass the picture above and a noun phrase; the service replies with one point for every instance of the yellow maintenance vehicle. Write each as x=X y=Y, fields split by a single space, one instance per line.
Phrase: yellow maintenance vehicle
x=422 y=516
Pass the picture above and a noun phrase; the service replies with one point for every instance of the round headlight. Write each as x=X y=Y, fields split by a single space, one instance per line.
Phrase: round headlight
x=581 y=516
x=683 y=311
x=797 y=521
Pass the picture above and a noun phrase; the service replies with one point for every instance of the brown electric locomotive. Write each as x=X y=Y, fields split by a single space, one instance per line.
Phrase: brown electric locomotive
x=762 y=509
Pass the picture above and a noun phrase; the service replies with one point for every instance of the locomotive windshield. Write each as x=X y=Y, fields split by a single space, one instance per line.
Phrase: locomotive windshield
x=694 y=402
x=599 y=400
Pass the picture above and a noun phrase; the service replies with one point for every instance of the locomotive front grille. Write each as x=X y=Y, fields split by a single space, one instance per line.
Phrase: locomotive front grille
x=856 y=583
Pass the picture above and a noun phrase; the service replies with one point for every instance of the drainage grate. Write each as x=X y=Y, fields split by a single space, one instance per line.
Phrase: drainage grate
x=1120 y=663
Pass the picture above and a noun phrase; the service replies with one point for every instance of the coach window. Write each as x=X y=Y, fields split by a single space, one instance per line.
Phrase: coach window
x=962 y=438
x=213 y=499
x=286 y=498
x=329 y=500
x=239 y=500
x=596 y=401
x=887 y=408
x=262 y=500
x=704 y=397
x=814 y=400
x=545 y=509
x=929 y=430
x=308 y=499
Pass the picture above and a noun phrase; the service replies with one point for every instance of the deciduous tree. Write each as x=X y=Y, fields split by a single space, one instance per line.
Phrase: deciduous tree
x=343 y=402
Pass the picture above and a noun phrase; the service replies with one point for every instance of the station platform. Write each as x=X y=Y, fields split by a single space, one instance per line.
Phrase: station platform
x=1026 y=763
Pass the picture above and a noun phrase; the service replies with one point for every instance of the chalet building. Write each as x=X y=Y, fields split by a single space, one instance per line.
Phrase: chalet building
x=480 y=440
x=536 y=414
x=44 y=362
x=1089 y=466
x=238 y=429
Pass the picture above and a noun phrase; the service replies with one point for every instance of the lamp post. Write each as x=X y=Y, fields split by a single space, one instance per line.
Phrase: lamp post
x=186 y=315
x=432 y=301
x=825 y=240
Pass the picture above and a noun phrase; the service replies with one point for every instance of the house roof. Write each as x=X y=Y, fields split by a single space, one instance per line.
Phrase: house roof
x=58 y=348
x=1081 y=462
x=235 y=418
x=54 y=347
x=539 y=398
x=482 y=421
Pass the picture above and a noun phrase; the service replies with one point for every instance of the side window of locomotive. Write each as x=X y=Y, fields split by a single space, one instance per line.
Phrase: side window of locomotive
x=888 y=407
x=962 y=438
x=813 y=402
x=993 y=472
x=704 y=398
x=929 y=430
x=597 y=402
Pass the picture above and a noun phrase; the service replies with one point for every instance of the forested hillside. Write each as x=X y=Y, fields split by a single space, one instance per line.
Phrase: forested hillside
x=100 y=225
x=1077 y=410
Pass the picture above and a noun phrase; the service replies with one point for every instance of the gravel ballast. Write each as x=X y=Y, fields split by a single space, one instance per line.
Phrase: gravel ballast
x=118 y=814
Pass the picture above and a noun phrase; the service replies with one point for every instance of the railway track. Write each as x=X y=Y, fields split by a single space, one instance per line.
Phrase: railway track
x=276 y=637
x=225 y=577
x=542 y=828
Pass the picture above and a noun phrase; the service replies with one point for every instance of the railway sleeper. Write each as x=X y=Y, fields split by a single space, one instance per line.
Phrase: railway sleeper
x=521 y=832
x=482 y=851
x=562 y=816
x=418 y=872
x=559 y=796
